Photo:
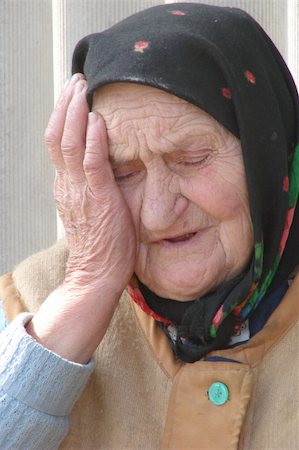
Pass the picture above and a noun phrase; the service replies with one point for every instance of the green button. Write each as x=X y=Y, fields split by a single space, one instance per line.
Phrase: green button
x=218 y=393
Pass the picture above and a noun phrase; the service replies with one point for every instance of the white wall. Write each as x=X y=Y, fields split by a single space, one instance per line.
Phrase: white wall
x=28 y=219
x=36 y=42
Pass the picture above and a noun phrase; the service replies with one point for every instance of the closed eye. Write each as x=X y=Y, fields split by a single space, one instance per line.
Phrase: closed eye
x=125 y=176
x=186 y=161
x=194 y=161
x=128 y=171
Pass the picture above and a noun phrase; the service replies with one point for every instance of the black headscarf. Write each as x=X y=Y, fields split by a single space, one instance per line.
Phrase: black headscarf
x=221 y=60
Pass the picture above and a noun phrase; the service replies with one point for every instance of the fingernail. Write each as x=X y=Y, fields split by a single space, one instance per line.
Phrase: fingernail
x=75 y=78
x=92 y=117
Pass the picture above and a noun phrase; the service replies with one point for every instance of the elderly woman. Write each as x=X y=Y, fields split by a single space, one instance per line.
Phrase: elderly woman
x=182 y=184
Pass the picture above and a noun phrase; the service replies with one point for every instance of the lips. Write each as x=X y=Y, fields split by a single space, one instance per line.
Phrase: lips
x=181 y=240
x=183 y=237
x=176 y=241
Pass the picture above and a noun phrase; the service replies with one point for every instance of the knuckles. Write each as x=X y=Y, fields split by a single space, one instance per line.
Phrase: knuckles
x=90 y=167
x=70 y=147
x=50 y=138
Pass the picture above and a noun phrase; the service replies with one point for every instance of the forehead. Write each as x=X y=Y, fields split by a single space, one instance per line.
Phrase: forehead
x=139 y=117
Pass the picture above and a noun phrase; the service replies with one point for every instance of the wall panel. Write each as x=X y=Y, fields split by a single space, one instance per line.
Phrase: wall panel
x=26 y=91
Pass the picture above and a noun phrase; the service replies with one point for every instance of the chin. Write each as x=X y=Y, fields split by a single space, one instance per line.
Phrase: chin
x=181 y=288
x=179 y=294
x=184 y=277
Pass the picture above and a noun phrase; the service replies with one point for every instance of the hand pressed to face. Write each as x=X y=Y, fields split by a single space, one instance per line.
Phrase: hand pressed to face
x=182 y=176
x=98 y=224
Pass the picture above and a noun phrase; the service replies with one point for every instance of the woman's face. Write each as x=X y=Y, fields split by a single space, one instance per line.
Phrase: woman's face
x=182 y=176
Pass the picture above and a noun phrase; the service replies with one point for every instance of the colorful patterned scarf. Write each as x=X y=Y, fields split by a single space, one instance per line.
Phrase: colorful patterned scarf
x=221 y=60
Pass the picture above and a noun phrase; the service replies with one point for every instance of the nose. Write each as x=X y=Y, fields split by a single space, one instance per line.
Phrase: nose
x=162 y=202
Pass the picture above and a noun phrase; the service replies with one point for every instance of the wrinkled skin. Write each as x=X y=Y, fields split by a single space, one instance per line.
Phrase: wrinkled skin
x=180 y=172
x=164 y=196
x=98 y=224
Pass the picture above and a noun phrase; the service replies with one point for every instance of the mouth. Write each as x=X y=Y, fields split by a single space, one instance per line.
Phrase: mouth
x=182 y=238
x=187 y=239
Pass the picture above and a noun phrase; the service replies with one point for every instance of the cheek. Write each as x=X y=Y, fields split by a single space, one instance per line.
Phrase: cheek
x=222 y=194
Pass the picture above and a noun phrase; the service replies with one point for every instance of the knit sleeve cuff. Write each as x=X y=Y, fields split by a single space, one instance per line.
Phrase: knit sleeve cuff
x=36 y=376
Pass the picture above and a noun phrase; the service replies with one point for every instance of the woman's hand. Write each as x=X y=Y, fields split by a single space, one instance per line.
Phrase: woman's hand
x=99 y=230
x=98 y=224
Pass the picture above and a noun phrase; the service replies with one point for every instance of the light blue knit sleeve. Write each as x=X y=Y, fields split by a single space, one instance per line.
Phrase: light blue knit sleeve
x=3 y=321
x=37 y=389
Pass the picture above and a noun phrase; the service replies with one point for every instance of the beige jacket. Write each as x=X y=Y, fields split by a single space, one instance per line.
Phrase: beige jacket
x=139 y=397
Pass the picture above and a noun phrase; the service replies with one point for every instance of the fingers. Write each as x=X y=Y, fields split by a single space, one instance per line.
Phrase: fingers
x=96 y=163
x=74 y=133
x=78 y=150
x=54 y=131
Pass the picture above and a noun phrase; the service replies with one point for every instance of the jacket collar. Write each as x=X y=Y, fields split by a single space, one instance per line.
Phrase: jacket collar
x=249 y=353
